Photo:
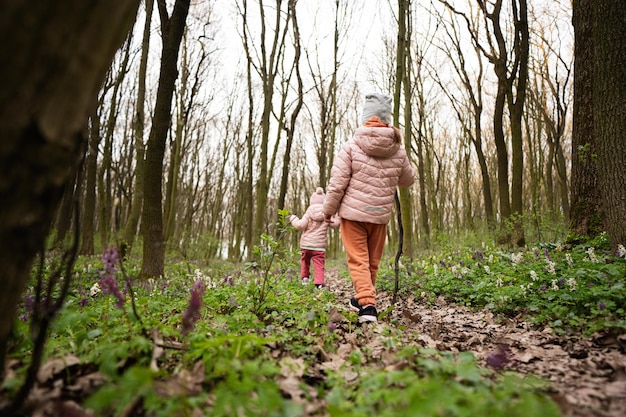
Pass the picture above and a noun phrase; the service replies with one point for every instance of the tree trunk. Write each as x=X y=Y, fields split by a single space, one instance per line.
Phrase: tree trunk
x=59 y=53
x=172 y=29
x=66 y=210
x=586 y=216
x=291 y=128
x=130 y=230
x=609 y=113
x=403 y=87
x=89 y=197
x=516 y=101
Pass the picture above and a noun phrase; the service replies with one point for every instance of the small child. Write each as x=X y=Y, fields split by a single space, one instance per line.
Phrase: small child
x=314 y=238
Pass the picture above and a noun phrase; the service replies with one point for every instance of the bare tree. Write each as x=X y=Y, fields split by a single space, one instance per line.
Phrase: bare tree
x=291 y=126
x=472 y=91
x=172 y=29
x=130 y=230
x=403 y=93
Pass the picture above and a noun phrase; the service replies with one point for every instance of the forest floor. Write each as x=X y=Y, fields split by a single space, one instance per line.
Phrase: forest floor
x=587 y=375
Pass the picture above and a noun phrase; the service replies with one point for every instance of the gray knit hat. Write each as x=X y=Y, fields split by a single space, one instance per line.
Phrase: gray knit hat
x=377 y=105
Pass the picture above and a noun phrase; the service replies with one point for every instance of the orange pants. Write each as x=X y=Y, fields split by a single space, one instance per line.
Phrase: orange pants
x=363 y=243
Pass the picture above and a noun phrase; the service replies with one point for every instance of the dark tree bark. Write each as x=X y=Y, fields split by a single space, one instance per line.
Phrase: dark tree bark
x=172 y=29
x=290 y=129
x=586 y=218
x=130 y=229
x=609 y=112
x=59 y=54
x=89 y=194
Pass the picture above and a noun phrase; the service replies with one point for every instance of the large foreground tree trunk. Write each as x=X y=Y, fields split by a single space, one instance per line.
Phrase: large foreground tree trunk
x=609 y=112
x=55 y=56
x=586 y=217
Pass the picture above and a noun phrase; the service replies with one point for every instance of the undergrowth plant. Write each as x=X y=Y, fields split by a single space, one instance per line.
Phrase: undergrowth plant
x=577 y=288
x=257 y=333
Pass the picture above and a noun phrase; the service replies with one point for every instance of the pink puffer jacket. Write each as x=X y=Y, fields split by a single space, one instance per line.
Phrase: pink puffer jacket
x=365 y=175
x=314 y=227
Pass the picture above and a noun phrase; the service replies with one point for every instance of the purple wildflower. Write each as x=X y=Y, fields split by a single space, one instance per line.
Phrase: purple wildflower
x=110 y=257
x=332 y=326
x=192 y=314
x=499 y=358
x=601 y=306
x=107 y=282
x=109 y=287
x=546 y=253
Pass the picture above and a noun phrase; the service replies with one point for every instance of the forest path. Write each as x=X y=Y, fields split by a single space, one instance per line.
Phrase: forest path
x=588 y=376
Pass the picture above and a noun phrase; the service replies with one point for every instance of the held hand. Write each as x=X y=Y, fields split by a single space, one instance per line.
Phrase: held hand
x=328 y=218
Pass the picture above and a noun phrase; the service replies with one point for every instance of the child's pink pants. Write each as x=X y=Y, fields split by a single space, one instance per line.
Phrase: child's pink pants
x=319 y=259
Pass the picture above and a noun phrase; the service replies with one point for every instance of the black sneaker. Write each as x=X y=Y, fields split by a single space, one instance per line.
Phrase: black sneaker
x=354 y=305
x=368 y=314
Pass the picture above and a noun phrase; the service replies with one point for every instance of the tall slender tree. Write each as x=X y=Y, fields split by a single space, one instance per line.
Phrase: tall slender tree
x=130 y=230
x=403 y=94
x=172 y=29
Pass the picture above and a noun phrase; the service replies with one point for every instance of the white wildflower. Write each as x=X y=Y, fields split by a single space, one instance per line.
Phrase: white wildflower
x=465 y=270
x=550 y=267
x=499 y=282
x=516 y=258
x=621 y=251
x=435 y=269
x=591 y=252
x=491 y=258
x=568 y=258
x=555 y=285
x=487 y=269
x=524 y=289
x=208 y=282
x=533 y=275
x=95 y=289
x=571 y=283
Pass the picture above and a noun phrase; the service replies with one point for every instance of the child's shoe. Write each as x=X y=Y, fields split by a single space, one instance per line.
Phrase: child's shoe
x=368 y=314
x=305 y=280
x=319 y=286
x=354 y=305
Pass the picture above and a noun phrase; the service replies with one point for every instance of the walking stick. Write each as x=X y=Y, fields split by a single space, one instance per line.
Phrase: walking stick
x=396 y=267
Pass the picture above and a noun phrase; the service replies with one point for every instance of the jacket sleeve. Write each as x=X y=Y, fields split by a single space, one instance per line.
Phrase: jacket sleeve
x=407 y=175
x=340 y=175
x=298 y=223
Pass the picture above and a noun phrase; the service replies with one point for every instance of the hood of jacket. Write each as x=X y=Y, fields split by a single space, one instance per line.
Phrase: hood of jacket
x=379 y=142
x=316 y=212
